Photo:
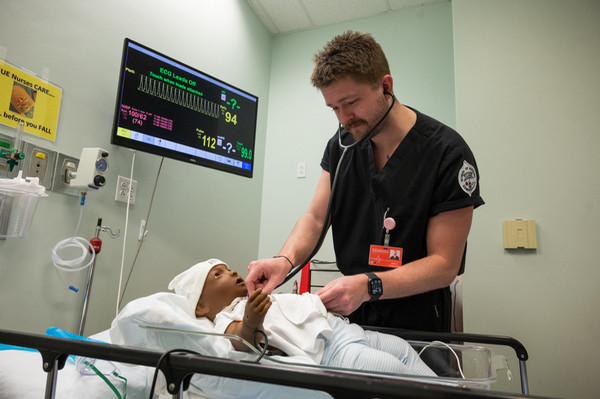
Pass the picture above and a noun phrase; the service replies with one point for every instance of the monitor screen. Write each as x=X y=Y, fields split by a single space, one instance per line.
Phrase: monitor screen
x=169 y=109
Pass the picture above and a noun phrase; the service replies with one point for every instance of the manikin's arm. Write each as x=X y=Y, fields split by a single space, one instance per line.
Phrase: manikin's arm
x=446 y=237
x=256 y=308
x=268 y=273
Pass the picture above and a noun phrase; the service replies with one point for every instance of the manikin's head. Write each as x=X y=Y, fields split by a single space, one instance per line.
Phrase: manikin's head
x=209 y=287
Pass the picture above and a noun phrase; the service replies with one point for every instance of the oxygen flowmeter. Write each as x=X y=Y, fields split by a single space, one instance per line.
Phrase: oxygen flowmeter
x=11 y=154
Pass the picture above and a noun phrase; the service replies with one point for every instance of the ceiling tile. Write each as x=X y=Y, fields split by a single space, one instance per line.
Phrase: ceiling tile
x=334 y=11
x=281 y=16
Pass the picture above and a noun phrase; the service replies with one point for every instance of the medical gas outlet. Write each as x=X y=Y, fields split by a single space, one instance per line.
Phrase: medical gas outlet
x=91 y=169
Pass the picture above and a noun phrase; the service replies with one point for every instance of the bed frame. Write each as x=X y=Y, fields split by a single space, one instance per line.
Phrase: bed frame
x=517 y=346
x=180 y=367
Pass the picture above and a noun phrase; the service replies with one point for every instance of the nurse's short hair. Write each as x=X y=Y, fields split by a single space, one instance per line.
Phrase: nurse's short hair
x=351 y=54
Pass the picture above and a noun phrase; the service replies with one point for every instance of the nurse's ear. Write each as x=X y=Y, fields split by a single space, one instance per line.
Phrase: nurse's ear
x=387 y=83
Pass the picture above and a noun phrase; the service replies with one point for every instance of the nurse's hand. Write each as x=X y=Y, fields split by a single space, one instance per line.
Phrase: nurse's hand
x=345 y=294
x=266 y=274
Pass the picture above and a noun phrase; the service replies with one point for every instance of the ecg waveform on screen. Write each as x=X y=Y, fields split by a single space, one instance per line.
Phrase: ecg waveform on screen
x=177 y=96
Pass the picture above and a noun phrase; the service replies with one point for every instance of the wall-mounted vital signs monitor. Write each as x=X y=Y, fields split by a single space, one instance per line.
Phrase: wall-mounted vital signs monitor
x=169 y=109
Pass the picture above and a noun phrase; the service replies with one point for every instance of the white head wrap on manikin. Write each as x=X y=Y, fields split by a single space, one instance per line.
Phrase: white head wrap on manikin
x=191 y=282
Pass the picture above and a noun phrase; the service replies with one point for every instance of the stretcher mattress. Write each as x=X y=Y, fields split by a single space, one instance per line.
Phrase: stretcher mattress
x=156 y=322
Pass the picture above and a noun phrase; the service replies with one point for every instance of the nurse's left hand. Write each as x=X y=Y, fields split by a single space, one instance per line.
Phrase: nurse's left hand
x=345 y=294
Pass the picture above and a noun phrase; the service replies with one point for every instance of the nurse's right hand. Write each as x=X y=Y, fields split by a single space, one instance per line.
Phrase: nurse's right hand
x=266 y=274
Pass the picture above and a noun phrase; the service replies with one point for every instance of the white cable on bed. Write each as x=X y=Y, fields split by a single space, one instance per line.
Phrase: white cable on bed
x=433 y=343
x=125 y=236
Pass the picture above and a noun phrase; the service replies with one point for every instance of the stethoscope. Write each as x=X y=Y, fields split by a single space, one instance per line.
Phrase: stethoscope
x=368 y=133
x=346 y=149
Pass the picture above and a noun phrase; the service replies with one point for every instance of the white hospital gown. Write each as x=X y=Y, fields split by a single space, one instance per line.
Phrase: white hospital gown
x=295 y=324
x=299 y=325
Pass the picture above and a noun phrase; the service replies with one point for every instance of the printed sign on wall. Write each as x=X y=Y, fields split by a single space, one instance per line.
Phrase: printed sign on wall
x=24 y=97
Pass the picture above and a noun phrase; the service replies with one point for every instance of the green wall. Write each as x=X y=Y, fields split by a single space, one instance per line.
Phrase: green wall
x=418 y=44
x=197 y=213
x=527 y=86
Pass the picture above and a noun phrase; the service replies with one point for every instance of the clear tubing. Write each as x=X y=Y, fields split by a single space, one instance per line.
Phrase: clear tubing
x=17 y=142
x=73 y=265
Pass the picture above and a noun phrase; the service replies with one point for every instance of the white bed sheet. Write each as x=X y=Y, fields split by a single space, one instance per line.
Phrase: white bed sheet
x=22 y=376
x=168 y=310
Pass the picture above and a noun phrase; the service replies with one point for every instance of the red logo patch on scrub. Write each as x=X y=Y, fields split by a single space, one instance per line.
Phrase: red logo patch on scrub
x=380 y=255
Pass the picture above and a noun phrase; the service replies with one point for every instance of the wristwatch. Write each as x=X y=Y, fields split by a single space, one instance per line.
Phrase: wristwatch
x=374 y=286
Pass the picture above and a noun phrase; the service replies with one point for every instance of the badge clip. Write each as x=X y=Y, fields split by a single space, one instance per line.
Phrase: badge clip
x=388 y=224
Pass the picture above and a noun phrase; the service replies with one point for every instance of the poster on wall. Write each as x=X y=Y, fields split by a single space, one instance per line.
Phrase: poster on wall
x=24 y=97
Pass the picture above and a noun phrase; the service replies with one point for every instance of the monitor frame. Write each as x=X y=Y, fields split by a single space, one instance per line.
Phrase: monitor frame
x=217 y=141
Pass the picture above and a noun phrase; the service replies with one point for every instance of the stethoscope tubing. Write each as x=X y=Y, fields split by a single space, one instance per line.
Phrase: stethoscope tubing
x=369 y=132
x=346 y=149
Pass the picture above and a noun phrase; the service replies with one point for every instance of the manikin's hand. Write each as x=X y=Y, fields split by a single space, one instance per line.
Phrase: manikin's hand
x=266 y=274
x=345 y=294
x=254 y=314
x=257 y=306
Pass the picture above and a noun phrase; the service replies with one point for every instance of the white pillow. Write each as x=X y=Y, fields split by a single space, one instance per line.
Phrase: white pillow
x=169 y=311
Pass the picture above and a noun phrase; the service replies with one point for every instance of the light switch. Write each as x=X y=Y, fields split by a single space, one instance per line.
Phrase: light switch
x=519 y=233
x=301 y=170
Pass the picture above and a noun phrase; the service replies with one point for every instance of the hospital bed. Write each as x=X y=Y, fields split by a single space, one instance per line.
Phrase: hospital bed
x=199 y=376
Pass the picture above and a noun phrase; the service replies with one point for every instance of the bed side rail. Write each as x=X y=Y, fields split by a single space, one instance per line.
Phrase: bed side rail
x=511 y=342
x=518 y=347
x=181 y=366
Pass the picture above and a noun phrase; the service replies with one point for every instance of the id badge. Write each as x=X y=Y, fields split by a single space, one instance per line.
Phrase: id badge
x=385 y=256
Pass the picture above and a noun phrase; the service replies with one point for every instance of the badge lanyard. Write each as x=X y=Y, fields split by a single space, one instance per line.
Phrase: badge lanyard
x=384 y=255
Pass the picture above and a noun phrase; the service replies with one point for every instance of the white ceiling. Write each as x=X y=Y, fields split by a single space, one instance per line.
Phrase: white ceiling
x=281 y=16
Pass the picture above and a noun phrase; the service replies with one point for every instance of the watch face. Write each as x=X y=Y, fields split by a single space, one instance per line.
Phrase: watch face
x=375 y=287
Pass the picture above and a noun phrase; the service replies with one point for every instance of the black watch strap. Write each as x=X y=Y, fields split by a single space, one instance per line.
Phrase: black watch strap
x=374 y=286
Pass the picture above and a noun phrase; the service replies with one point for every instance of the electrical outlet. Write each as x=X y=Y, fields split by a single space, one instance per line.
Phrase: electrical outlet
x=123 y=190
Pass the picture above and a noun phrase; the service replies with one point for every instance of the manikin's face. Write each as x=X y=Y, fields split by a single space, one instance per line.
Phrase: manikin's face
x=221 y=287
x=358 y=106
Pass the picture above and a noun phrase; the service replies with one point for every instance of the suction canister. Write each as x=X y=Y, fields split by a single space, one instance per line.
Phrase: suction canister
x=18 y=201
